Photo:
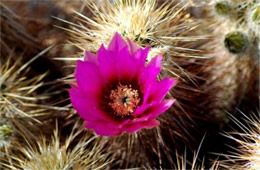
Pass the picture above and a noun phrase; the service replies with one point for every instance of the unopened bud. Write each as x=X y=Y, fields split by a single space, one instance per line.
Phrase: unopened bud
x=236 y=42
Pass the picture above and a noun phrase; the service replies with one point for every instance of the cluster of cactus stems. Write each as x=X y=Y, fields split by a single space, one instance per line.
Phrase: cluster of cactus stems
x=207 y=53
x=245 y=15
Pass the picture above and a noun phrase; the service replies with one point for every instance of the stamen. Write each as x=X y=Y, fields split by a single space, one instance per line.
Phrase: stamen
x=124 y=100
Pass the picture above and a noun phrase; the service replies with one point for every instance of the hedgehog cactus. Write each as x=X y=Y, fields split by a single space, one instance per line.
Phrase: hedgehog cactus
x=235 y=48
x=120 y=89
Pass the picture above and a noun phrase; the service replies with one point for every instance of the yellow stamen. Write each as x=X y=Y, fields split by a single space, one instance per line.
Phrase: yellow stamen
x=124 y=100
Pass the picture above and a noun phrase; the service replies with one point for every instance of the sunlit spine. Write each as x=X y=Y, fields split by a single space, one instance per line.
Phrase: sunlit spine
x=247 y=136
x=54 y=154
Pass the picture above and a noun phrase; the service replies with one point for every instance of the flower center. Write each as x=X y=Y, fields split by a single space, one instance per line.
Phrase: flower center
x=124 y=100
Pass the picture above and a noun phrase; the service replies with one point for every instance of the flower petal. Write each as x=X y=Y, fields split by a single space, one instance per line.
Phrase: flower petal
x=126 y=66
x=149 y=76
x=141 y=109
x=130 y=128
x=160 y=108
x=85 y=106
x=151 y=72
x=107 y=63
x=132 y=47
x=90 y=57
x=152 y=110
x=88 y=77
x=140 y=58
x=103 y=128
x=117 y=43
x=160 y=89
x=156 y=62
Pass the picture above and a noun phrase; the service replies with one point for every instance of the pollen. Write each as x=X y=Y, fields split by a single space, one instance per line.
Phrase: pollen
x=124 y=100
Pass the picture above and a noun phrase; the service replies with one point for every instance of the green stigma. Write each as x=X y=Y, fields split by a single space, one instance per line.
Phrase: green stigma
x=5 y=130
x=236 y=42
x=256 y=15
x=223 y=8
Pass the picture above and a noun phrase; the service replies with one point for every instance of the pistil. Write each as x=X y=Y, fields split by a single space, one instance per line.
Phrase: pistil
x=124 y=100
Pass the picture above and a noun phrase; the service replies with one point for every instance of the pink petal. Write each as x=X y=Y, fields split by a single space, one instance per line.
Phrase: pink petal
x=149 y=76
x=140 y=57
x=156 y=61
x=126 y=67
x=88 y=107
x=160 y=108
x=151 y=124
x=152 y=110
x=85 y=106
x=117 y=43
x=107 y=63
x=90 y=57
x=130 y=128
x=103 y=128
x=160 y=89
x=132 y=47
x=88 y=77
x=139 y=110
x=151 y=72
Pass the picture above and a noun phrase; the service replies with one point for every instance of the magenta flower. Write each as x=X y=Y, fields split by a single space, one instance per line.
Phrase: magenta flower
x=117 y=92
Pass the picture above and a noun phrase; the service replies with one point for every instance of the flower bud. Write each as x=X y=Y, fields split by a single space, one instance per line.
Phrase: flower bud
x=236 y=42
